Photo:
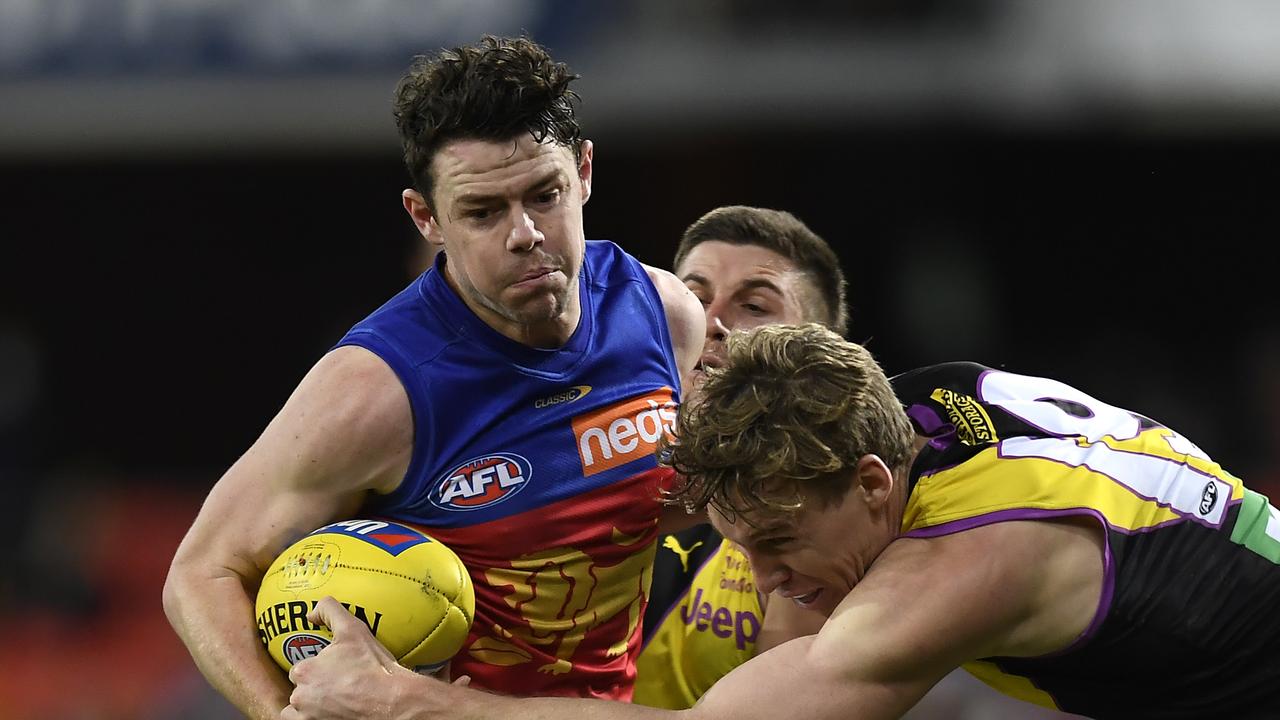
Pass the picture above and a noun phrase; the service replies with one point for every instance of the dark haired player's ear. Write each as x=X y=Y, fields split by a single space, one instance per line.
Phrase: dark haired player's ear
x=584 y=169
x=423 y=218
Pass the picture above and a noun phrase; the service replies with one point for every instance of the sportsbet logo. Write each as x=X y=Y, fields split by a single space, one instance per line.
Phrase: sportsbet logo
x=624 y=431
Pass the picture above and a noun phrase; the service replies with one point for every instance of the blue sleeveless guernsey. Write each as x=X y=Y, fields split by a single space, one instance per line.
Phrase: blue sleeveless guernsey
x=537 y=467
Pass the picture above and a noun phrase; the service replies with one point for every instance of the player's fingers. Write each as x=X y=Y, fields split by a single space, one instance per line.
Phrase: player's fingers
x=295 y=672
x=289 y=713
x=463 y=681
x=330 y=613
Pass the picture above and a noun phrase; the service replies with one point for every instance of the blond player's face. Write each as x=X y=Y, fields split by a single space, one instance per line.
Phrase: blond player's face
x=741 y=287
x=813 y=557
x=509 y=216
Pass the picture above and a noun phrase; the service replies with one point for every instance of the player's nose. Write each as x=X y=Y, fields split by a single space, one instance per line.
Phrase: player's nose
x=769 y=572
x=716 y=327
x=524 y=234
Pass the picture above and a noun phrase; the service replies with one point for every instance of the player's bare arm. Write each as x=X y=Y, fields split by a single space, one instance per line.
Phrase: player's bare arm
x=686 y=322
x=687 y=326
x=924 y=608
x=783 y=621
x=346 y=430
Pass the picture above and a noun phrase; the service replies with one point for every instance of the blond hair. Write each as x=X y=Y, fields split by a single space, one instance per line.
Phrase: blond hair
x=785 y=422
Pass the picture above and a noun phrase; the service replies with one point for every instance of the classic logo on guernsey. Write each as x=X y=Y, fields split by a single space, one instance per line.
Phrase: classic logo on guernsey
x=481 y=482
x=625 y=431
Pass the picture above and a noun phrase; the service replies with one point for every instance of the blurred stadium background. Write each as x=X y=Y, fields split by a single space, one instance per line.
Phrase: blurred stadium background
x=199 y=196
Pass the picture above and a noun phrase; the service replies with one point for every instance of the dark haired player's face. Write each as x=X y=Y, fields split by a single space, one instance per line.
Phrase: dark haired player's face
x=509 y=215
x=741 y=287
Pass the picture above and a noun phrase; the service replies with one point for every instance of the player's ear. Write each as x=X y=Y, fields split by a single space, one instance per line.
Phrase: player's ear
x=875 y=479
x=585 y=158
x=422 y=215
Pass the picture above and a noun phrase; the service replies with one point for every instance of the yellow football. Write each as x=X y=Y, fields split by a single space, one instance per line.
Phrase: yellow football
x=412 y=592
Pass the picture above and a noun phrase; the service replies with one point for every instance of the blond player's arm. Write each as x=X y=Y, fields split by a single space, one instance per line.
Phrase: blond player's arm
x=783 y=621
x=346 y=430
x=925 y=607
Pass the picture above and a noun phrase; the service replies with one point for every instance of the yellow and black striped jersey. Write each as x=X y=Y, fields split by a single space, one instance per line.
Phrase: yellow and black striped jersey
x=702 y=621
x=1187 y=625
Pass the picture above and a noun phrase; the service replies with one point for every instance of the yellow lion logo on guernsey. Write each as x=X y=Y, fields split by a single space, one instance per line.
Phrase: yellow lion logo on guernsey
x=555 y=593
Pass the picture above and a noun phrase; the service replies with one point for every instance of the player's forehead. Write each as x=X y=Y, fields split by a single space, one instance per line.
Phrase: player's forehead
x=746 y=527
x=476 y=168
x=726 y=267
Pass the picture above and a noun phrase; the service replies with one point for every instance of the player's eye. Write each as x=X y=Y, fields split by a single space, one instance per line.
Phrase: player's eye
x=776 y=543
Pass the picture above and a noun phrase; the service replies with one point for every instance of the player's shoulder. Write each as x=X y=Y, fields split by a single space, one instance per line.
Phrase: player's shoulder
x=353 y=391
x=606 y=255
x=353 y=368
x=346 y=427
x=958 y=376
x=666 y=283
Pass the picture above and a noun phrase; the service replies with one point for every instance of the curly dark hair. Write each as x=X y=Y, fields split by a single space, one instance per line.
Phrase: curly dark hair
x=785 y=422
x=497 y=89
x=786 y=235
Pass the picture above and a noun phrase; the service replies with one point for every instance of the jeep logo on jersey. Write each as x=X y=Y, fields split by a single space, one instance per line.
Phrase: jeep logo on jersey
x=577 y=392
x=625 y=431
x=481 y=482
x=1208 y=498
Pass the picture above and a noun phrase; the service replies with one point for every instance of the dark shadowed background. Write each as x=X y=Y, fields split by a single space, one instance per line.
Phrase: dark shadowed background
x=197 y=199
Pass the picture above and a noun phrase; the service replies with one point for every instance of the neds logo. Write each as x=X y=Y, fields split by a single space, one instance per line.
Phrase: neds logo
x=481 y=482
x=624 y=431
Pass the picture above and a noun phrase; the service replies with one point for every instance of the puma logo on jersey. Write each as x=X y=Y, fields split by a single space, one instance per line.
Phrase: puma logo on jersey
x=625 y=431
x=672 y=544
x=577 y=392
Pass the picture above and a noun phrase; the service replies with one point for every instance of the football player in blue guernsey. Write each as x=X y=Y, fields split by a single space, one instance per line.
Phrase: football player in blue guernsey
x=1066 y=551
x=749 y=267
x=509 y=401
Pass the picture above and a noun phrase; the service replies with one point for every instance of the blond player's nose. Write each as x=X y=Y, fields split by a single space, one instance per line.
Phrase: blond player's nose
x=769 y=572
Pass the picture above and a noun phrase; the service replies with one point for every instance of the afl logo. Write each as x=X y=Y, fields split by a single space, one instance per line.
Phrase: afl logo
x=1208 y=498
x=302 y=646
x=481 y=482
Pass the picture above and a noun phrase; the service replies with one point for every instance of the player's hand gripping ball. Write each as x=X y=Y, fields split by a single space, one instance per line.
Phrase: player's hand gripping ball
x=412 y=591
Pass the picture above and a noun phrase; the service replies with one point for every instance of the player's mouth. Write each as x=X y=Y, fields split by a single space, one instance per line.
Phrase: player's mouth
x=536 y=276
x=807 y=600
x=707 y=362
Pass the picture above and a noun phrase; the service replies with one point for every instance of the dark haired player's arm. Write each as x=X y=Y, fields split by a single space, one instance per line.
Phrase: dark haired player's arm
x=686 y=322
x=687 y=326
x=346 y=429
